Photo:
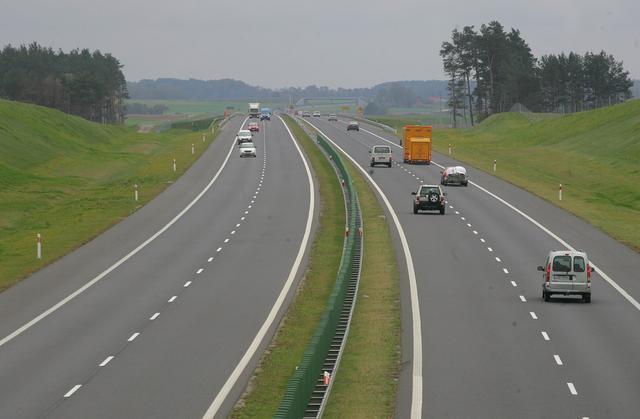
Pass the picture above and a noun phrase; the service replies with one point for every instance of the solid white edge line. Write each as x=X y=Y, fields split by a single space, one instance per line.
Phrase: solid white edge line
x=606 y=277
x=416 y=388
x=106 y=361
x=73 y=390
x=257 y=340
x=122 y=260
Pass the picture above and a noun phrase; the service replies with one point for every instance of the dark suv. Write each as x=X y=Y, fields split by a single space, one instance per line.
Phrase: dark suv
x=428 y=198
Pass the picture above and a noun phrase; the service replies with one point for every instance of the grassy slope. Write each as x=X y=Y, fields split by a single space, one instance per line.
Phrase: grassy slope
x=595 y=155
x=70 y=179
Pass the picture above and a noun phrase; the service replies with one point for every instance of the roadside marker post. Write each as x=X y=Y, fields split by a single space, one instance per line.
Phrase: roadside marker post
x=560 y=192
x=449 y=149
x=135 y=191
x=326 y=377
x=39 y=246
x=193 y=148
x=494 y=165
x=174 y=165
x=203 y=137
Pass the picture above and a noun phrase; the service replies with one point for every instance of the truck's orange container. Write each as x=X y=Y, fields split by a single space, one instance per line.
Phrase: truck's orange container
x=417 y=144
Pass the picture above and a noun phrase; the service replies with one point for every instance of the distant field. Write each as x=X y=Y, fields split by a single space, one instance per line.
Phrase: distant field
x=70 y=179
x=595 y=155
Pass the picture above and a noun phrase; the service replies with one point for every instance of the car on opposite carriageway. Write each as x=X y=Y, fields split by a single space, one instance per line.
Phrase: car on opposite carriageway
x=244 y=135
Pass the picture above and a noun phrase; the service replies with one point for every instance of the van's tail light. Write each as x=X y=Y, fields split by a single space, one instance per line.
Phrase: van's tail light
x=588 y=276
x=548 y=274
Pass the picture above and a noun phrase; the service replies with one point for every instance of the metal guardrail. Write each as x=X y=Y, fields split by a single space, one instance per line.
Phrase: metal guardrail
x=307 y=390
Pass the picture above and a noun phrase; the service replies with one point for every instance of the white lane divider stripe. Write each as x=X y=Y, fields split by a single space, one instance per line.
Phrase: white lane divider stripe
x=73 y=390
x=233 y=232
x=572 y=389
x=133 y=337
x=155 y=316
x=498 y=259
x=514 y=283
x=489 y=249
x=186 y=284
x=226 y=240
x=242 y=365
x=199 y=271
x=482 y=240
x=218 y=249
x=106 y=361
x=210 y=259
x=524 y=300
x=122 y=260
x=475 y=232
x=558 y=360
x=505 y=270
x=533 y=315
x=545 y=335
x=172 y=299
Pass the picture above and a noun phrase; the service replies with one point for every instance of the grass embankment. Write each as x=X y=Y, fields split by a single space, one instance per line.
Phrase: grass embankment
x=70 y=179
x=595 y=155
x=366 y=381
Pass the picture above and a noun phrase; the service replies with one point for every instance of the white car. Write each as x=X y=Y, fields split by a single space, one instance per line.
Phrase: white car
x=316 y=113
x=247 y=149
x=244 y=135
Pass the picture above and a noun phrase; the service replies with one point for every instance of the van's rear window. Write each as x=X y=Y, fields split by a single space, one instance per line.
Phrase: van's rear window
x=562 y=264
x=381 y=150
x=578 y=264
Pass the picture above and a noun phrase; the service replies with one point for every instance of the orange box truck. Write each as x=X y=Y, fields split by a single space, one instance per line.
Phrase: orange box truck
x=417 y=144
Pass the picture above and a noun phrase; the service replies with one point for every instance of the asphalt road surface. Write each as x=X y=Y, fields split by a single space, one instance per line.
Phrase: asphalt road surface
x=490 y=347
x=161 y=332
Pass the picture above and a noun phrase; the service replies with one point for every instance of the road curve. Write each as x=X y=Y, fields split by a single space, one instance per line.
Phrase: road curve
x=491 y=346
x=158 y=336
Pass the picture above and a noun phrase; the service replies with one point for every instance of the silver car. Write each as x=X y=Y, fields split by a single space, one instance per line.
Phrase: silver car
x=566 y=272
x=247 y=149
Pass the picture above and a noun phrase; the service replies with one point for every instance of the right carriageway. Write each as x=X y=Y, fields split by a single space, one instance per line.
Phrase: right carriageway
x=490 y=346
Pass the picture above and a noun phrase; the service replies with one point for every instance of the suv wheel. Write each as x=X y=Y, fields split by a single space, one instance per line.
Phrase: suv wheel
x=546 y=295
x=415 y=209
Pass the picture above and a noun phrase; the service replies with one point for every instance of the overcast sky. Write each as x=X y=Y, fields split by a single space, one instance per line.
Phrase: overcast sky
x=278 y=43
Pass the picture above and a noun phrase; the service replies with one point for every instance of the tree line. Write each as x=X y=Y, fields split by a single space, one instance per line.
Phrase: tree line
x=83 y=83
x=506 y=73
x=136 y=108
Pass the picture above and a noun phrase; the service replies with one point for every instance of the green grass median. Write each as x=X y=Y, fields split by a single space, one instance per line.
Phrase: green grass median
x=365 y=383
x=70 y=180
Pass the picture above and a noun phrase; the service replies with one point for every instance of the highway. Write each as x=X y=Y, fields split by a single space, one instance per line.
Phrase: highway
x=171 y=308
x=489 y=347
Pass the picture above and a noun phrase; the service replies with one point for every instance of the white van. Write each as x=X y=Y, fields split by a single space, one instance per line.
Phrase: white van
x=566 y=272
x=380 y=154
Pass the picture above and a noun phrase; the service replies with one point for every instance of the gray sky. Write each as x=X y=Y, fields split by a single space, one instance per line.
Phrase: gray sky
x=277 y=43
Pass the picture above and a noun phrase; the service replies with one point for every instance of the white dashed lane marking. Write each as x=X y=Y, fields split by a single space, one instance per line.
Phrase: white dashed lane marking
x=241 y=218
x=106 y=361
x=545 y=335
x=238 y=225
x=489 y=249
x=475 y=232
x=199 y=271
x=218 y=249
x=210 y=259
x=514 y=283
x=155 y=316
x=533 y=315
x=482 y=240
x=558 y=360
x=233 y=232
x=498 y=259
x=505 y=270
x=524 y=300
x=186 y=284
x=172 y=299
x=572 y=389
x=226 y=240
x=133 y=337
x=73 y=390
